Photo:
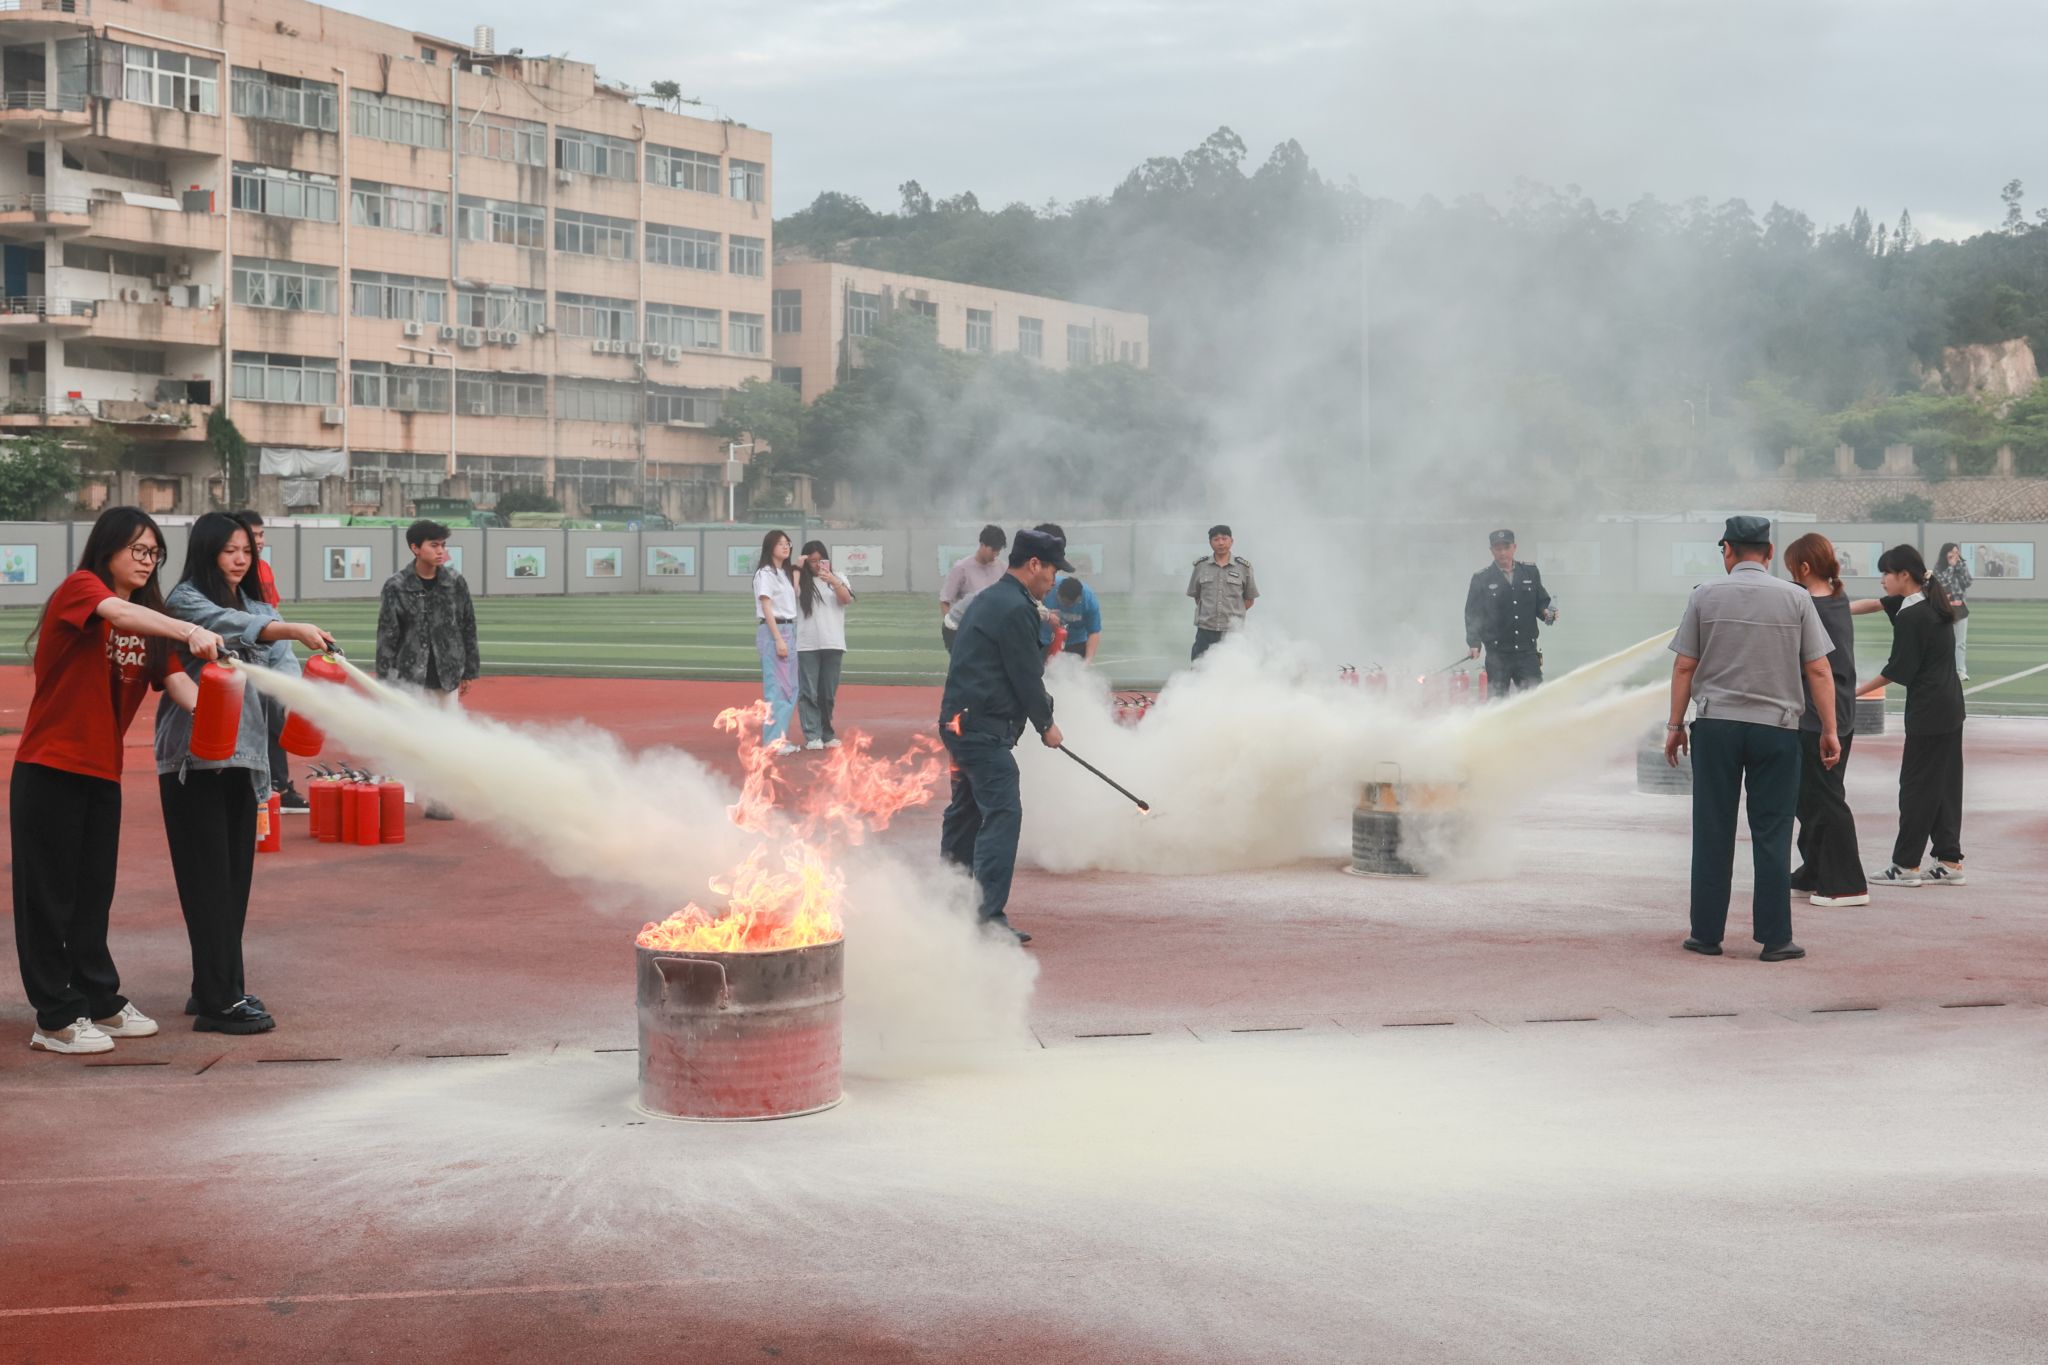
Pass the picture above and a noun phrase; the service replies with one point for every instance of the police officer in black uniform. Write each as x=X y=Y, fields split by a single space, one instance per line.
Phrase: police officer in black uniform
x=995 y=685
x=1502 y=608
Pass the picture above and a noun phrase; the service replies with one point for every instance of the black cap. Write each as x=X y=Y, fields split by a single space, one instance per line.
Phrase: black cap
x=1747 y=531
x=1501 y=538
x=1040 y=545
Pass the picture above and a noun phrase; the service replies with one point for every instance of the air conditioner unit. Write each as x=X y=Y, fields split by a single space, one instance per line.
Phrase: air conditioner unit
x=511 y=338
x=449 y=331
x=131 y=296
x=672 y=354
x=472 y=337
x=331 y=417
x=161 y=281
x=479 y=409
x=540 y=329
x=413 y=329
x=565 y=178
x=494 y=336
x=184 y=270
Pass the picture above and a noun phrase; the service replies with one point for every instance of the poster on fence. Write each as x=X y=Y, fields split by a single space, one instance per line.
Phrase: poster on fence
x=2000 y=559
x=1567 y=558
x=671 y=561
x=604 y=561
x=857 y=561
x=739 y=560
x=1858 y=558
x=18 y=564
x=526 y=561
x=347 y=564
x=1696 y=559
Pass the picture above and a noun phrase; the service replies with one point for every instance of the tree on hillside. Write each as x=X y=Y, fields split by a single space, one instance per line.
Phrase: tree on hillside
x=34 y=471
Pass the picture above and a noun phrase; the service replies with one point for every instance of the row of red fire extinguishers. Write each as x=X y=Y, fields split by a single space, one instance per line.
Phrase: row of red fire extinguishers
x=346 y=806
x=1458 y=686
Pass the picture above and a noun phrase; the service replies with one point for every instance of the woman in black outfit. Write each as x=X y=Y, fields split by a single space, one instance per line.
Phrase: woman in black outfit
x=1830 y=869
x=1923 y=660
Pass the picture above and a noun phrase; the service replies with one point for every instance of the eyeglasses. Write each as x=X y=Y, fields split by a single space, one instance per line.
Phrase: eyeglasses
x=147 y=554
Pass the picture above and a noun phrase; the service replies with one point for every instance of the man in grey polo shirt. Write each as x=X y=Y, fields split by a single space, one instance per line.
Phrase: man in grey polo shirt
x=1751 y=648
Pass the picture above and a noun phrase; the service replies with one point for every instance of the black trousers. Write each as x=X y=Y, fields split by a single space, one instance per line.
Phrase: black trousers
x=1930 y=799
x=67 y=841
x=210 y=820
x=1828 y=860
x=946 y=633
x=280 y=770
x=1512 y=670
x=1204 y=639
x=979 y=830
x=1727 y=756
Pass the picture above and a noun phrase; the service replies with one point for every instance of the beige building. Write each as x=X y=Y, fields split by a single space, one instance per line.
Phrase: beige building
x=822 y=310
x=445 y=268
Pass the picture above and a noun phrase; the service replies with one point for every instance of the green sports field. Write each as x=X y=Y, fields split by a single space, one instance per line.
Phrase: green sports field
x=894 y=638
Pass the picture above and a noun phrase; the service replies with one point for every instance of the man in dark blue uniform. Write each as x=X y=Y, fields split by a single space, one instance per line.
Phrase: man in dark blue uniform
x=1502 y=608
x=995 y=684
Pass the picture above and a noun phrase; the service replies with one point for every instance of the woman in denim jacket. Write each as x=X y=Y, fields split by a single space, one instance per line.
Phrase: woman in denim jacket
x=210 y=805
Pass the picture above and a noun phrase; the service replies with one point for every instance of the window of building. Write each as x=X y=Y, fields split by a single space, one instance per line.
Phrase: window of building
x=110 y=261
x=924 y=308
x=688 y=248
x=506 y=309
x=792 y=375
x=491 y=476
x=149 y=170
x=286 y=285
x=788 y=311
x=747 y=180
x=100 y=355
x=281 y=193
x=169 y=80
x=863 y=313
x=505 y=139
x=595 y=400
x=745 y=255
x=1080 y=344
x=586 y=315
x=747 y=333
x=394 y=118
x=671 y=324
x=505 y=221
x=484 y=394
x=271 y=98
x=981 y=329
x=1031 y=338
x=1137 y=353
x=408 y=298
x=595 y=154
x=419 y=475
x=682 y=170
x=397 y=388
x=686 y=407
x=400 y=208
x=593 y=234
x=265 y=377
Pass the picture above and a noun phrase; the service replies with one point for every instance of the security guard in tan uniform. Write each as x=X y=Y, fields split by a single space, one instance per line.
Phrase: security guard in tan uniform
x=1502 y=607
x=1224 y=590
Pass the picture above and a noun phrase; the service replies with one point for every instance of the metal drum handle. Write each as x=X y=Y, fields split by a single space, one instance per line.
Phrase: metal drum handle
x=663 y=964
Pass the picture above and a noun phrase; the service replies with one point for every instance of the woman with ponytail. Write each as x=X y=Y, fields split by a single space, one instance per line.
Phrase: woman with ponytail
x=1830 y=870
x=1923 y=661
x=1954 y=576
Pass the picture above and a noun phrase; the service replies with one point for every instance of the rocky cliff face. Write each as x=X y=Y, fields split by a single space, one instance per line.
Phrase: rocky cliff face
x=1998 y=371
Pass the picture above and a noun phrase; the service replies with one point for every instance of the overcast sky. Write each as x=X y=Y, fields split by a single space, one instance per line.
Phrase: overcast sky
x=1820 y=104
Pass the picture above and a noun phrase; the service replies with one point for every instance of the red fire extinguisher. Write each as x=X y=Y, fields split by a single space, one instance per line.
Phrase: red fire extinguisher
x=300 y=736
x=217 y=715
x=367 y=801
x=323 y=796
x=1461 y=684
x=391 y=810
x=1059 y=640
x=1482 y=684
x=270 y=825
x=346 y=808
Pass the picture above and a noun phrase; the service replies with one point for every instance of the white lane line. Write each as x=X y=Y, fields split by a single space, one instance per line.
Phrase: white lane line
x=2010 y=677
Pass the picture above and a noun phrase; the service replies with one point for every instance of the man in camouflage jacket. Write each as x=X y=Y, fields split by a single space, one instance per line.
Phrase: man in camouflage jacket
x=426 y=626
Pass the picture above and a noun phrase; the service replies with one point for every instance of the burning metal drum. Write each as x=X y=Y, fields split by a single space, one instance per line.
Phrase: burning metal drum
x=1657 y=777
x=1869 y=716
x=740 y=1035
x=1395 y=821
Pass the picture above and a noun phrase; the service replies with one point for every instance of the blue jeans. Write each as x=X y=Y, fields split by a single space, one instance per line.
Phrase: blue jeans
x=980 y=827
x=778 y=679
x=1727 y=756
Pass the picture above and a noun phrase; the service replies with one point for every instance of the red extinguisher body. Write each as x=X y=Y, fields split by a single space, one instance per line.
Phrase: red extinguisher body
x=300 y=736
x=391 y=811
x=347 y=810
x=323 y=796
x=270 y=825
x=367 y=801
x=217 y=716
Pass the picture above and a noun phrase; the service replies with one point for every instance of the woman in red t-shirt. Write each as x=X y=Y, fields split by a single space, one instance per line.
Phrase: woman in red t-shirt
x=99 y=649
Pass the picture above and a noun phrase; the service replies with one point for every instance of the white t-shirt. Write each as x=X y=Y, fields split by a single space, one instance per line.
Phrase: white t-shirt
x=825 y=627
x=774 y=585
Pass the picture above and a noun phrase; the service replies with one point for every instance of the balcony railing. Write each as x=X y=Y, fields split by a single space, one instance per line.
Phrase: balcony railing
x=133 y=412
x=45 y=407
x=63 y=101
x=44 y=203
x=44 y=307
x=45 y=6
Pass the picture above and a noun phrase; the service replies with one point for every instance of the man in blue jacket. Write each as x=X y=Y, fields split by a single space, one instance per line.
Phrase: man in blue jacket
x=995 y=685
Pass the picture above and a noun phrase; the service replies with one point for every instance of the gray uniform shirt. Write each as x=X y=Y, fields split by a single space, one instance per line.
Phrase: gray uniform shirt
x=1752 y=634
x=1222 y=592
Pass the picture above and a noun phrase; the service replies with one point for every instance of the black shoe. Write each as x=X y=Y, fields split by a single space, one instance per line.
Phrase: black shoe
x=1784 y=952
x=1693 y=945
x=240 y=1017
x=192 y=1003
x=1003 y=922
x=289 y=798
x=437 y=811
x=1805 y=886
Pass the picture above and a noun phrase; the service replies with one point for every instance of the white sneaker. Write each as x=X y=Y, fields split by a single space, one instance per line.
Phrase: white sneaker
x=1894 y=875
x=814 y=744
x=81 y=1036
x=129 y=1023
x=831 y=743
x=780 y=748
x=1830 y=901
x=1946 y=874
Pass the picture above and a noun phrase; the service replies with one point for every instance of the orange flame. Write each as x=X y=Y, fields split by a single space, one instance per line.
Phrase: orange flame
x=798 y=904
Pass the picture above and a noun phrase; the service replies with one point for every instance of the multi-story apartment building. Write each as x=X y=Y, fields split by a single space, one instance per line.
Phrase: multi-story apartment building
x=442 y=267
x=822 y=309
